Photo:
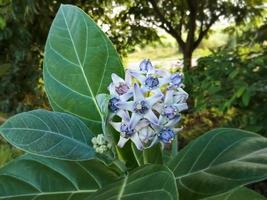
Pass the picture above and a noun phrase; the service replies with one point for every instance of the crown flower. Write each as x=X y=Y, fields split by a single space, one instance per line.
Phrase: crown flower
x=148 y=102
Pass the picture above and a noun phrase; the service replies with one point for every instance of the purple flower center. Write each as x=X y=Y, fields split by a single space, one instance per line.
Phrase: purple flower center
x=126 y=131
x=141 y=107
x=170 y=111
x=176 y=79
x=122 y=88
x=166 y=135
x=145 y=65
x=112 y=104
x=152 y=82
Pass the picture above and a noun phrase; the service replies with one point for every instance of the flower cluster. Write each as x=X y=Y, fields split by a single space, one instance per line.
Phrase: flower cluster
x=100 y=144
x=148 y=103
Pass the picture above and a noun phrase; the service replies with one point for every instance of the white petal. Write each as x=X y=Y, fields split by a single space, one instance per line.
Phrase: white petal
x=181 y=106
x=143 y=134
x=127 y=95
x=122 y=141
x=116 y=79
x=124 y=115
x=169 y=97
x=125 y=105
x=112 y=90
x=158 y=107
x=141 y=78
x=154 y=141
x=180 y=96
x=142 y=124
x=163 y=73
x=173 y=122
x=135 y=118
x=151 y=117
x=128 y=78
x=164 y=80
x=176 y=130
x=138 y=96
x=116 y=125
x=136 y=140
x=154 y=99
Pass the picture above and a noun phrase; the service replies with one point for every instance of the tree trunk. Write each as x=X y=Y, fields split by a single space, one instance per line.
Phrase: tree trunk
x=187 y=56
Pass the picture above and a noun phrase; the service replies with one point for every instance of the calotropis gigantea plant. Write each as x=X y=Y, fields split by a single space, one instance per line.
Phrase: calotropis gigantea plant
x=72 y=152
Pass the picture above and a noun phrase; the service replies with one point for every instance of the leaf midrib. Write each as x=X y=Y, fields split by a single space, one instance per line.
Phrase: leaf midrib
x=49 y=132
x=49 y=193
x=207 y=168
x=81 y=67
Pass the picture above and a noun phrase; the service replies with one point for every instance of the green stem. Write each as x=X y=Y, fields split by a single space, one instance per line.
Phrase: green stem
x=175 y=146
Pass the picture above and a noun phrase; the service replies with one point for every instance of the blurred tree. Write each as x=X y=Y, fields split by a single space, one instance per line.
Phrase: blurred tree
x=188 y=21
x=24 y=26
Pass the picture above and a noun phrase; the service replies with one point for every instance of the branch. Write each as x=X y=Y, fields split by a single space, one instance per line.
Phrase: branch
x=204 y=32
x=169 y=27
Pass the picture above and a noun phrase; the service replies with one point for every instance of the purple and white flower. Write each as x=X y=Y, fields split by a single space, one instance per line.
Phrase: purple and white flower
x=149 y=108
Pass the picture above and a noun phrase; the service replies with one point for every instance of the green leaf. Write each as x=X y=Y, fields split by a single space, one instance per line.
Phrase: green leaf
x=220 y=161
x=30 y=177
x=147 y=182
x=246 y=97
x=78 y=63
x=153 y=155
x=238 y=194
x=138 y=155
x=50 y=134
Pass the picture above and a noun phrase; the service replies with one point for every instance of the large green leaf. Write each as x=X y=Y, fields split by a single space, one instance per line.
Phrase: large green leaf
x=78 y=63
x=238 y=194
x=219 y=161
x=50 y=134
x=147 y=182
x=31 y=177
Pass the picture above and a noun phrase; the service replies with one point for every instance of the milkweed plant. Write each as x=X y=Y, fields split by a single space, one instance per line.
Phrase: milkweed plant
x=112 y=134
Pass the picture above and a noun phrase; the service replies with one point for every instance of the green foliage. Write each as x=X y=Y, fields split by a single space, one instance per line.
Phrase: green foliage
x=82 y=72
x=221 y=161
x=49 y=134
x=233 y=81
x=237 y=194
x=137 y=185
x=30 y=177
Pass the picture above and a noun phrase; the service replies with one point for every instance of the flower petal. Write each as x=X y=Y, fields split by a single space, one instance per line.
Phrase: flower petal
x=136 y=140
x=116 y=126
x=157 y=107
x=135 y=118
x=112 y=90
x=125 y=105
x=141 y=78
x=151 y=117
x=169 y=97
x=146 y=65
x=124 y=115
x=122 y=141
x=116 y=79
x=180 y=96
x=154 y=99
x=173 y=122
x=181 y=106
x=138 y=95
x=128 y=78
x=142 y=124
x=126 y=96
